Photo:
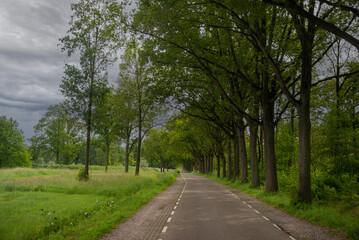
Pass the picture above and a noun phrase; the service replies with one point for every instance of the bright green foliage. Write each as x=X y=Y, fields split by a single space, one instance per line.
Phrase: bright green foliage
x=13 y=151
x=57 y=135
x=159 y=149
x=104 y=123
x=135 y=78
x=125 y=111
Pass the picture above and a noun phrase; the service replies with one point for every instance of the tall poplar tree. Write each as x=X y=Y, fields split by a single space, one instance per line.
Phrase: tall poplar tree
x=94 y=36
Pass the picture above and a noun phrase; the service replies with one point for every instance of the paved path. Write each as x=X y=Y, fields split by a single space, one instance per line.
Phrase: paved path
x=207 y=210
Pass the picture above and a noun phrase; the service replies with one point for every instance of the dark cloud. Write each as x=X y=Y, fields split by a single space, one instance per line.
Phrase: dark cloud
x=31 y=63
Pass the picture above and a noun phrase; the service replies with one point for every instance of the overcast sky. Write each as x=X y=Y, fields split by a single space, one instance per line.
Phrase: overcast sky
x=31 y=63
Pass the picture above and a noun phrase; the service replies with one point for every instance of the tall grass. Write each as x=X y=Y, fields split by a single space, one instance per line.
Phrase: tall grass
x=60 y=207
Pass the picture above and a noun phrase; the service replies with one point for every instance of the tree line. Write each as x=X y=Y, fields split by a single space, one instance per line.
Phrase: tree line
x=266 y=88
x=253 y=70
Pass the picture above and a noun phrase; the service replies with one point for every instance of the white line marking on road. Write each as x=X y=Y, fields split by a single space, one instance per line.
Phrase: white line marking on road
x=256 y=211
x=169 y=219
x=275 y=225
x=177 y=203
x=249 y=206
x=173 y=212
x=244 y=202
x=175 y=207
x=292 y=238
x=164 y=229
x=265 y=218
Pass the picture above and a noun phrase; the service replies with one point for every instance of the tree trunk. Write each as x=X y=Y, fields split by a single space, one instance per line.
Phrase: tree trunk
x=138 y=157
x=304 y=124
x=224 y=172
x=306 y=32
x=268 y=131
x=243 y=151
x=235 y=140
x=88 y=137
x=211 y=163
x=127 y=153
x=218 y=156
x=107 y=153
x=260 y=147
x=253 y=130
x=229 y=155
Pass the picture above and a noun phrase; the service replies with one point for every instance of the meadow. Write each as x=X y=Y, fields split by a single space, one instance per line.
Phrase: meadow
x=49 y=203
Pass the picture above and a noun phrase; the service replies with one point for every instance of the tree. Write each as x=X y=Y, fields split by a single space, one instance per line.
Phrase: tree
x=104 y=123
x=135 y=69
x=349 y=8
x=126 y=112
x=13 y=151
x=57 y=134
x=51 y=131
x=156 y=147
x=96 y=35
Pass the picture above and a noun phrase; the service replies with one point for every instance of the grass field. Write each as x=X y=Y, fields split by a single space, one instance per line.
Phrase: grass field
x=52 y=204
x=338 y=216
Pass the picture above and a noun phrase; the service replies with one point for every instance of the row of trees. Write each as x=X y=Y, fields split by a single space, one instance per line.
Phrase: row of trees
x=92 y=107
x=249 y=67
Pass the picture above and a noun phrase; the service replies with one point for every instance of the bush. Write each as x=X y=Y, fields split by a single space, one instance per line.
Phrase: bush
x=325 y=187
x=82 y=176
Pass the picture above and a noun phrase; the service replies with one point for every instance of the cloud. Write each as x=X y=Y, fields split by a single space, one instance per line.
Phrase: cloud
x=31 y=63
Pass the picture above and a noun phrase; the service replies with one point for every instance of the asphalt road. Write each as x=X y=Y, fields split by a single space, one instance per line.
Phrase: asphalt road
x=206 y=210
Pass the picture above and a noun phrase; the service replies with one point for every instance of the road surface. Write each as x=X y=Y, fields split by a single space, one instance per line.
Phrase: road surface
x=207 y=210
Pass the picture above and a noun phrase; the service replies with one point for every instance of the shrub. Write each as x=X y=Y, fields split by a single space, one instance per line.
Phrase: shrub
x=82 y=176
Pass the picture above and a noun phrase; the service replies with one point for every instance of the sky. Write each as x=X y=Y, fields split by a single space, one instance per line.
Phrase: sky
x=31 y=62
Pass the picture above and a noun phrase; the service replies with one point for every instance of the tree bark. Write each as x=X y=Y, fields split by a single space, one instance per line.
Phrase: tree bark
x=224 y=173
x=243 y=151
x=306 y=32
x=138 y=157
x=304 y=123
x=253 y=130
x=139 y=142
x=88 y=136
x=127 y=153
x=229 y=155
x=235 y=140
x=107 y=153
x=218 y=156
x=268 y=131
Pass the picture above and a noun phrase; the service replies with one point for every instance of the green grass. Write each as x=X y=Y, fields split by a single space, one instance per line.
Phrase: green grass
x=52 y=204
x=334 y=215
